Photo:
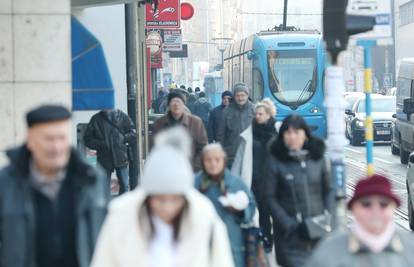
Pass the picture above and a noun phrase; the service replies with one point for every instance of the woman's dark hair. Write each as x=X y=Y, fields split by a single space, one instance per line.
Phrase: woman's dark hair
x=296 y=122
x=314 y=145
x=176 y=223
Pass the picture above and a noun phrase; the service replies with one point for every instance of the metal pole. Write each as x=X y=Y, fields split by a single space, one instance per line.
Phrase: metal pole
x=369 y=131
x=131 y=50
x=144 y=82
x=369 y=126
x=138 y=85
x=222 y=58
x=208 y=29
x=285 y=14
x=335 y=107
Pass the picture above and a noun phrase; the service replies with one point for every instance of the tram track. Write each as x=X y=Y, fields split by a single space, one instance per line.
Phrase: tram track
x=357 y=169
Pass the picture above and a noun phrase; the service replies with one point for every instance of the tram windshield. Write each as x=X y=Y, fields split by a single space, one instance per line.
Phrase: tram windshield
x=292 y=75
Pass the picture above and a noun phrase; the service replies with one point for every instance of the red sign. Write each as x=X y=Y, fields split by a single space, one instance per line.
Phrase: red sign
x=156 y=60
x=167 y=16
x=149 y=89
x=187 y=11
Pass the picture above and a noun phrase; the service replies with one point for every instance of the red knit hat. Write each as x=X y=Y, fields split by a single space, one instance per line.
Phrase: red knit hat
x=375 y=185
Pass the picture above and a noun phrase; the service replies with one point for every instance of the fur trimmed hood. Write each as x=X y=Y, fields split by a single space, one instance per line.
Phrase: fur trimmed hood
x=315 y=146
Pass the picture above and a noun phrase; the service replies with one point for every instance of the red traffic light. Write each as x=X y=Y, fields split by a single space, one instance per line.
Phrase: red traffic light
x=187 y=11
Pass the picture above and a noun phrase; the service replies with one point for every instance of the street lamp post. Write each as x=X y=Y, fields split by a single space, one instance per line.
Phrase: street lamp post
x=222 y=56
x=222 y=43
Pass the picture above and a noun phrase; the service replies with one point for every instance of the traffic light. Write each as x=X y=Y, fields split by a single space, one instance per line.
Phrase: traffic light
x=338 y=26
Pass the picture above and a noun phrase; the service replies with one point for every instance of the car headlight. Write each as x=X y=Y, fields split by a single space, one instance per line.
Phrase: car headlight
x=359 y=124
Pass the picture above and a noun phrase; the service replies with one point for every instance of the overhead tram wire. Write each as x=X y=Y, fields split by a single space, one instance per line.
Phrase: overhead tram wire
x=279 y=14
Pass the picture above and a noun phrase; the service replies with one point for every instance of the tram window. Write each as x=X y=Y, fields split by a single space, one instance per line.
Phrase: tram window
x=257 y=85
x=292 y=75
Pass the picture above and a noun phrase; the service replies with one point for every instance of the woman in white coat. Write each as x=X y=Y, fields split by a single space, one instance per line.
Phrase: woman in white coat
x=165 y=222
x=250 y=159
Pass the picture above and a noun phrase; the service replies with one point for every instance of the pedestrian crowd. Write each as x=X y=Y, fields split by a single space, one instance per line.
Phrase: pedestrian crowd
x=223 y=186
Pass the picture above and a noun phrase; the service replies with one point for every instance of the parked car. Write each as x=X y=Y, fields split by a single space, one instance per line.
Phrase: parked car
x=383 y=108
x=402 y=140
x=350 y=98
x=410 y=190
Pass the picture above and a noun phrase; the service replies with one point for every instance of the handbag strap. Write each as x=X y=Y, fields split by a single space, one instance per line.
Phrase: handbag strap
x=306 y=187
x=291 y=182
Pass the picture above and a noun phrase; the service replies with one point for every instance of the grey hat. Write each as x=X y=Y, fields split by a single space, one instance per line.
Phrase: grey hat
x=240 y=87
x=167 y=171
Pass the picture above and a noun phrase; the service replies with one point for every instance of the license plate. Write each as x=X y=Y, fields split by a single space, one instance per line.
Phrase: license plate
x=383 y=132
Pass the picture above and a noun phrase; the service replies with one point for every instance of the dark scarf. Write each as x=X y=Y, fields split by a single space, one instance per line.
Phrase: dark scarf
x=207 y=181
x=263 y=132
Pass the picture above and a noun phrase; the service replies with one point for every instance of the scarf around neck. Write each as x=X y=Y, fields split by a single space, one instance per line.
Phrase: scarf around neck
x=207 y=181
x=263 y=132
x=376 y=243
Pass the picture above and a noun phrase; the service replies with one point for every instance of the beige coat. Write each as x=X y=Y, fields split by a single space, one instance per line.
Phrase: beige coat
x=123 y=241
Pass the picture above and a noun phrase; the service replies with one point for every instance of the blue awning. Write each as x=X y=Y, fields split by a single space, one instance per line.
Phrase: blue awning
x=92 y=87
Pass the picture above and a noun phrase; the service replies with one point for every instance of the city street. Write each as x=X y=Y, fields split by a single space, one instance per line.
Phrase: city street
x=385 y=163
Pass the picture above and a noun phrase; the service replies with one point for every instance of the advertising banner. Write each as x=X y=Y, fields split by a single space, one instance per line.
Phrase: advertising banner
x=167 y=16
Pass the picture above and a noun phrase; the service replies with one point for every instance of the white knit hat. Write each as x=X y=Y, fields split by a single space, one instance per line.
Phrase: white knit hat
x=167 y=171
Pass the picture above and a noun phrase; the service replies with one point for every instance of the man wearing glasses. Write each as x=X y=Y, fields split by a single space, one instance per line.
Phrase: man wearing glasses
x=372 y=240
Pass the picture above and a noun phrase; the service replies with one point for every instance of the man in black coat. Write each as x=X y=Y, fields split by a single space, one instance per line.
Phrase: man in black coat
x=215 y=116
x=202 y=108
x=52 y=202
x=110 y=132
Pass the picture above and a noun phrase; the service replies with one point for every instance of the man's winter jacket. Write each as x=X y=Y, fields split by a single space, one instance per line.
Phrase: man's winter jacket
x=18 y=216
x=109 y=133
x=214 y=120
x=235 y=120
x=195 y=128
x=202 y=109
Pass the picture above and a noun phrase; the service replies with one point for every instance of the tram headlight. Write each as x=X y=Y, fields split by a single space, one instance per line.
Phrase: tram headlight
x=314 y=110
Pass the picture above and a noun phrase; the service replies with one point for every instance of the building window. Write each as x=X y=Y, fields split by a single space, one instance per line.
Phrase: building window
x=407 y=13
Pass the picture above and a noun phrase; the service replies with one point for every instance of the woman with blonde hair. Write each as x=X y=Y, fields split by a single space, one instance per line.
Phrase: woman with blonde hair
x=250 y=159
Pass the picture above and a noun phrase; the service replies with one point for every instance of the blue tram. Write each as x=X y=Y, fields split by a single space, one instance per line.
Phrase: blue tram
x=285 y=66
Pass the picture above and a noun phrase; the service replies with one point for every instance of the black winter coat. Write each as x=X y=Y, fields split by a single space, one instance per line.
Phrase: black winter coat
x=17 y=211
x=309 y=179
x=262 y=133
x=109 y=133
x=214 y=122
x=202 y=109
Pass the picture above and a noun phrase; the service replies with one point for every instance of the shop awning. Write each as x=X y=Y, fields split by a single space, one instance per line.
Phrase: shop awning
x=92 y=87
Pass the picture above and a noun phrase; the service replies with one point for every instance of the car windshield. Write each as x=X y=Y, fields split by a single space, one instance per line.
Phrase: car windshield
x=379 y=105
x=350 y=101
x=292 y=75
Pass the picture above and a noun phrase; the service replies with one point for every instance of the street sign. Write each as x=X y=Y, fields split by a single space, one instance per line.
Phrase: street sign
x=381 y=9
x=183 y=53
x=167 y=16
x=172 y=40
